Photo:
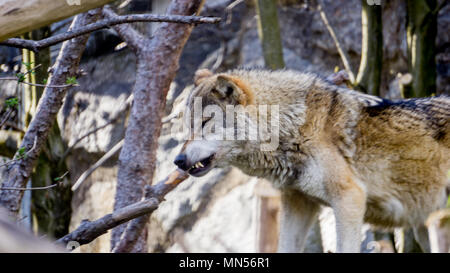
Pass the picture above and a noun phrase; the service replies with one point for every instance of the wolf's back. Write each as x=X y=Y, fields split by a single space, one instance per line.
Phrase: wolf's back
x=437 y=113
x=432 y=113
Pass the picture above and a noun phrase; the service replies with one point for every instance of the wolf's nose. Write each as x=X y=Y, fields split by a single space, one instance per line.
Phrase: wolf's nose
x=181 y=161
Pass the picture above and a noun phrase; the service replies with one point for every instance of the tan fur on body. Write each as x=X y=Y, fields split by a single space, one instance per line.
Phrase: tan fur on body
x=370 y=159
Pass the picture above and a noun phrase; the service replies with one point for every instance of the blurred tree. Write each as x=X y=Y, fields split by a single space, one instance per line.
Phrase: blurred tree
x=269 y=203
x=368 y=79
x=269 y=33
x=51 y=209
x=421 y=36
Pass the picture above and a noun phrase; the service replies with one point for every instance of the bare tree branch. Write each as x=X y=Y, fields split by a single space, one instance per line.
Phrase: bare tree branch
x=97 y=164
x=88 y=231
x=20 y=156
x=229 y=10
x=157 y=64
x=37 y=188
x=37 y=84
x=344 y=57
x=66 y=66
x=132 y=37
x=6 y=117
x=111 y=21
x=93 y=131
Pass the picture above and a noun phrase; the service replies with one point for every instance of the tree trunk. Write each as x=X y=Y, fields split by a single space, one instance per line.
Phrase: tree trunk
x=368 y=79
x=19 y=172
x=268 y=205
x=20 y=16
x=51 y=209
x=269 y=33
x=156 y=68
x=421 y=37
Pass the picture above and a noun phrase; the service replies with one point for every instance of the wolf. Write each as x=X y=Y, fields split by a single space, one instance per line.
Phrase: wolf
x=370 y=159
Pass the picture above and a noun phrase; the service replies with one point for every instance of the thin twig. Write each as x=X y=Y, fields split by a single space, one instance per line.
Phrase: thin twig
x=220 y=56
x=229 y=10
x=37 y=84
x=93 y=131
x=37 y=188
x=31 y=70
x=97 y=164
x=123 y=19
x=5 y=119
x=20 y=156
x=51 y=86
x=14 y=127
x=114 y=119
x=342 y=54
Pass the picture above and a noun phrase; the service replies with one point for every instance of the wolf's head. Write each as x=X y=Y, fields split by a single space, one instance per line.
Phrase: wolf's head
x=222 y=119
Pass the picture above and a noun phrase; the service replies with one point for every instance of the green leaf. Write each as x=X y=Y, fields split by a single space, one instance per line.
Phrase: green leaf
x=71 y=80
x=21 y=153
x=12 y=102
x=27 y=64
x=20 y=77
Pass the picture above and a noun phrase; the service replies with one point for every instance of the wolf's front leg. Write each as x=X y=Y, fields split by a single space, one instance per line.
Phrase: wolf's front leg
x=349 y=209
x=298 y=213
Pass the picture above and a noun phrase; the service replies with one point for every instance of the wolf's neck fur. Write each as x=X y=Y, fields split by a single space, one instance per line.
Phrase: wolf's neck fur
x=316 y=113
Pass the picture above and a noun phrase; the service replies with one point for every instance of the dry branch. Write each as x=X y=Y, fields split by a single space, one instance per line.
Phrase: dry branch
x=157 y=63
x=123 y=108
x=21 y=16
x=132 y=37
x=345 y=59
x=6 y=117
x=19 y=157
x=154 y=195
x=37 y=45
x=37 y=84
x=37 y=188
x=66 y=66
x=97 y=164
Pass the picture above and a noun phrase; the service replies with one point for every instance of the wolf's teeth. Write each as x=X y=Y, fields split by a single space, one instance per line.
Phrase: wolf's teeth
x=200 y=164
x=197 y=165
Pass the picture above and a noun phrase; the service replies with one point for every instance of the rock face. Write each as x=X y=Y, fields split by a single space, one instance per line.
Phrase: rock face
x=218 y=212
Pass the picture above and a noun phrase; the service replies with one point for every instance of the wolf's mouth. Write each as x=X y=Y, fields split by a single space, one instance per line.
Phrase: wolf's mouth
x=201 y=167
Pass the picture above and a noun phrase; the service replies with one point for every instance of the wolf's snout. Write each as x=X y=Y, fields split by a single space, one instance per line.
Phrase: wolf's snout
x=198 y=168
x=181 y=162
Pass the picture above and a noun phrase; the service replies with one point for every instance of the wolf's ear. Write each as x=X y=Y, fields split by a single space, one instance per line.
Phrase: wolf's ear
x=233 y=90
x=201 y=74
